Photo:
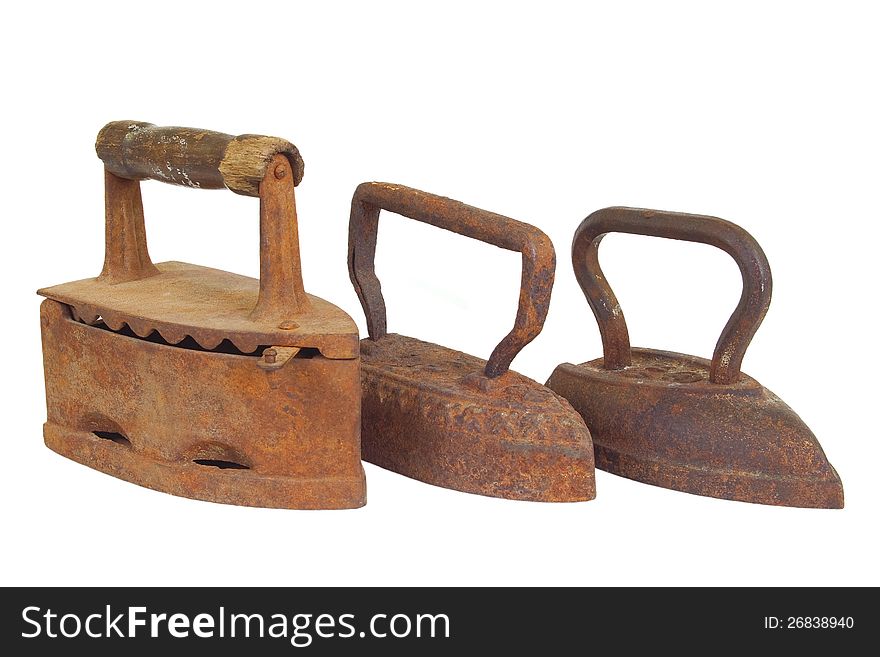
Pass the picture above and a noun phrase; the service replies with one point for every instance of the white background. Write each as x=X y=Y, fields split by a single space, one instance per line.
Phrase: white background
x=762 y=113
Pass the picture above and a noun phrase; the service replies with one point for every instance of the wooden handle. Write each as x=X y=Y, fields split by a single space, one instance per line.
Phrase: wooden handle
x=202 y=159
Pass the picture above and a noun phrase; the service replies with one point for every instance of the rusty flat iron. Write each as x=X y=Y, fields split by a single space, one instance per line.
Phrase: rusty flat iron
x=194 y=381
x=448 y=418
x=683 y=422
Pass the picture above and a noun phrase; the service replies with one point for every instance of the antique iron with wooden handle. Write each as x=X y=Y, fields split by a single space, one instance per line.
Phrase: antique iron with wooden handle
x=195 y=381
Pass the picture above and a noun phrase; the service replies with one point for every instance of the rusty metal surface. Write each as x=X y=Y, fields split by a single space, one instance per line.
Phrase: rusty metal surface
x=683 y=422
x=448 y=418
x=285 y=438
x=431 y=414
x=208 y=305
x=202 y=383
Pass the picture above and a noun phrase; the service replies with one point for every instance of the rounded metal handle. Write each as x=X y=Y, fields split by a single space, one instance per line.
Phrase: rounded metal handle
x=196 y=158
x=734 y=240
x=538 y=257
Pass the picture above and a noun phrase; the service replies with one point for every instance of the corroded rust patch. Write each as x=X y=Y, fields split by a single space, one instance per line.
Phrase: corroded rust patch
x=431 y=414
